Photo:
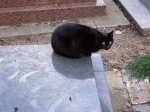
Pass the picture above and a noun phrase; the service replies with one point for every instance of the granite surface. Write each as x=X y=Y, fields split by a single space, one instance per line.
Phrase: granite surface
x=34 y=79
x=19 y=3
x=45 y=13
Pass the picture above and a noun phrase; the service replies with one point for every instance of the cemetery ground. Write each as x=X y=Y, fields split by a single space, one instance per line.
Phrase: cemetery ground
x=128 y=43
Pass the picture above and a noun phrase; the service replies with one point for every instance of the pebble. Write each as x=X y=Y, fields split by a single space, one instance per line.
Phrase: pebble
x=117 y=32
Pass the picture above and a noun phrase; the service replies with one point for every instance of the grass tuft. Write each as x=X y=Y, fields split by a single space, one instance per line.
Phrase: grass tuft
x=139 y=68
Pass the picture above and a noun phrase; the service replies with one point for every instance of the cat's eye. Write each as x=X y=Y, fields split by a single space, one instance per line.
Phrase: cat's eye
x=103 y=43
x=110 y=42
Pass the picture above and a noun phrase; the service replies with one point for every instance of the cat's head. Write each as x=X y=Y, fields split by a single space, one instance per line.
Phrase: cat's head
x=105 y=40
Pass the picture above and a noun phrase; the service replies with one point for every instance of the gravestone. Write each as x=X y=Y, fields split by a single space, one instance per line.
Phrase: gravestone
x=34 y=79
x=31 y=11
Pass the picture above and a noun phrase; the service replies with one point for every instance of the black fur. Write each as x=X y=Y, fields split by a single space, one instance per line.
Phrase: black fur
x=74 y=40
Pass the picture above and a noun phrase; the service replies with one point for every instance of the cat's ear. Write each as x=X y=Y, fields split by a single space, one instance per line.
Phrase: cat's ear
x=111 y=33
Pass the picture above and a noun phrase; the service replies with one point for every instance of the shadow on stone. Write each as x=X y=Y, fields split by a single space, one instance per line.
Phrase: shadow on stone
x=73 y=68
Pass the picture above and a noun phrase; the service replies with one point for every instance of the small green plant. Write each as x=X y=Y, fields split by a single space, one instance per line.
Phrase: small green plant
x=139 y=68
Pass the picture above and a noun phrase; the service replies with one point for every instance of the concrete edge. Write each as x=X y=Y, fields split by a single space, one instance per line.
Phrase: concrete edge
x=101 y=83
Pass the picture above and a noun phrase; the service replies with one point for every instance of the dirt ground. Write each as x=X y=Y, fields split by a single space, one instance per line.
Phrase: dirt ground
x=126 y=46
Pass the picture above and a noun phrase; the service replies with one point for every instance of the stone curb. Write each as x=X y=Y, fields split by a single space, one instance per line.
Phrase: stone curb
x=101 y=83
x=139 y=13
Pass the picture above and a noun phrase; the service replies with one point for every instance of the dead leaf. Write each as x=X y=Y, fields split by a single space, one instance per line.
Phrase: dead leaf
x=63 y=21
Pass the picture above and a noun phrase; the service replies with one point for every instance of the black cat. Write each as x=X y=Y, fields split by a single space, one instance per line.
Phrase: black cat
x=74 y=40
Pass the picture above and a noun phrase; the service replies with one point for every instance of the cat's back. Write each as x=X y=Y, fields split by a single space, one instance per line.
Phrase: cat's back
x=71 y=29
x=66 y=28
x=70 y=32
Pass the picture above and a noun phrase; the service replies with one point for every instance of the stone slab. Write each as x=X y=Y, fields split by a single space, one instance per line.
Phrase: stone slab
x=45 y=13
x=139 y=92
x=101 y=83
x=146 y=3
x=34 y=79
x=139 y=13
x=141 y=108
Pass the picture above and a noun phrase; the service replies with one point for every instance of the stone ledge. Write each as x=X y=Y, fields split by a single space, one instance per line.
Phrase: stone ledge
x=32 y=14
x=101 y=83
x=139 y=13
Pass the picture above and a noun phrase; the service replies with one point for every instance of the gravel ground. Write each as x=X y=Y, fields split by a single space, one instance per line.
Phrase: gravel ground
x=126 y=46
